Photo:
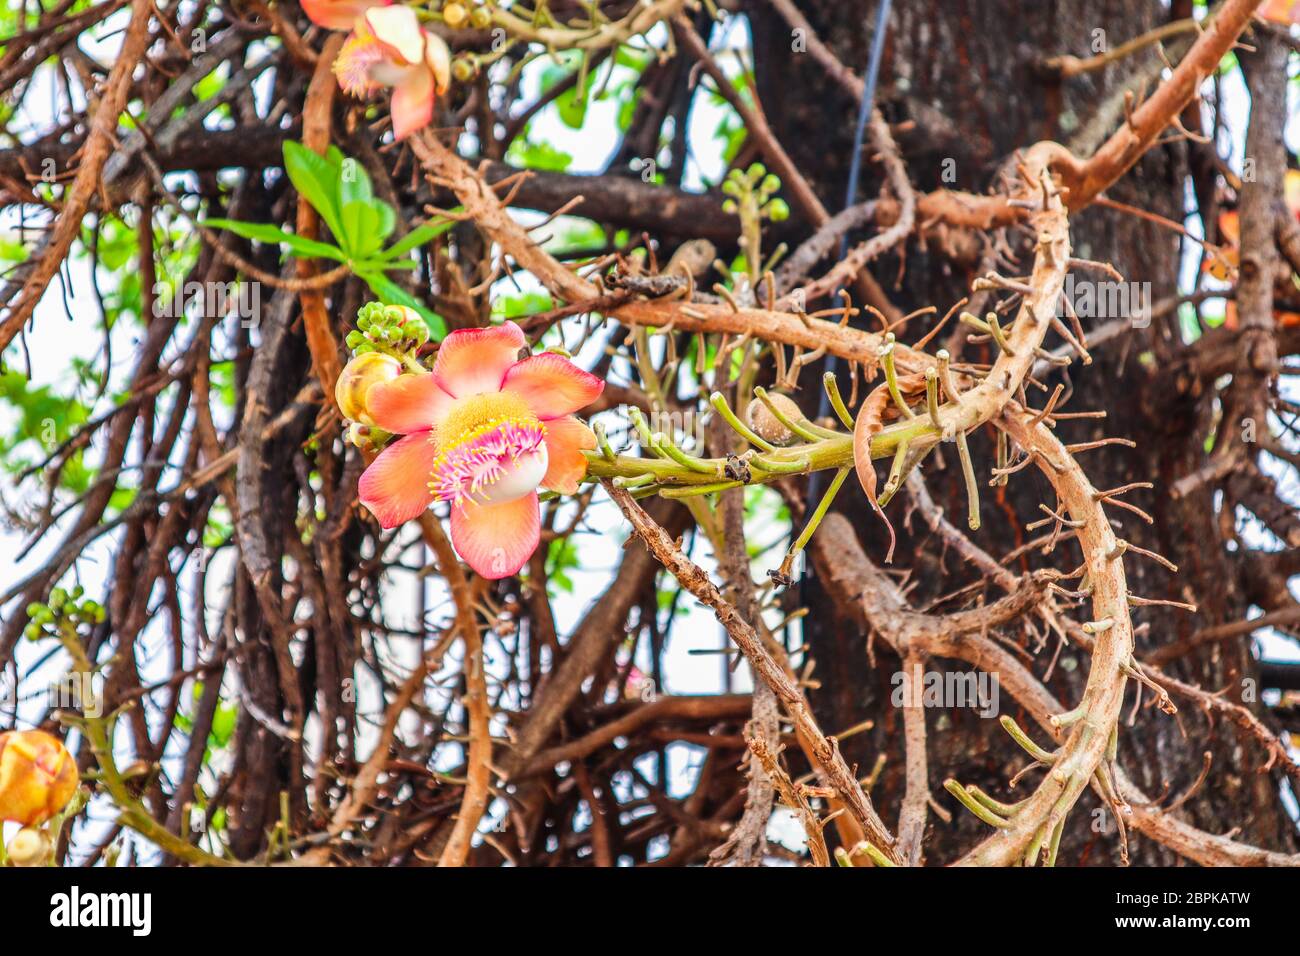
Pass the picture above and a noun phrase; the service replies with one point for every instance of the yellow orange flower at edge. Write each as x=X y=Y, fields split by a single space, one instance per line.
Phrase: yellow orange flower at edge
x=37 y=776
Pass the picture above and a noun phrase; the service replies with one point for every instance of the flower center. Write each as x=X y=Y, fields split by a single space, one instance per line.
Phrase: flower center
x=471 y=413
x=360 y=55
x=491 y=450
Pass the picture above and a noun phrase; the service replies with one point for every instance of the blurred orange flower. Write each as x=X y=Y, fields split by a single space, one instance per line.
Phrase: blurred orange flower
x=37 y=776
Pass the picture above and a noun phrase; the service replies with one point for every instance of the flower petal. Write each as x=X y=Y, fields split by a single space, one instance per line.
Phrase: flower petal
x=338 y=14
x=497 y=540
x=409 y=403
x=552 y=385
x=396 y=485
x=438 y=55
x=399 y=30
x=412 y=105
x=473 y=361
x=565 y=439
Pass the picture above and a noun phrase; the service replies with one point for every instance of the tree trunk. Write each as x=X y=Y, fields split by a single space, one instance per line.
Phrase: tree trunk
x=968 y=76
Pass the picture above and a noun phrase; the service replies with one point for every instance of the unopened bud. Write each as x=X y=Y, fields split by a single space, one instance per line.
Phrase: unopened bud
x=463 y=69
x=455 y=15
x=37 y=776
x=29 y=847
x=357 y=378
x=768 y=426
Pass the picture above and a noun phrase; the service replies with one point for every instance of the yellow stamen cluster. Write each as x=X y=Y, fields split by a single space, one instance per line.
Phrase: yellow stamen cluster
x=475 y=413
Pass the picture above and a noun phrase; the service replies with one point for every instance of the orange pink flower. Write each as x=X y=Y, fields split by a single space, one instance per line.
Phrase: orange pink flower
x=482 y=432
x=387 y=48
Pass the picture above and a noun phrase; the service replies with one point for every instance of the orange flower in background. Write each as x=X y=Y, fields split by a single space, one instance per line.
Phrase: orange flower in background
x=387 y=48
x=1281 y=11
x=37 y=776
x=482 y=431
x=1222 y=263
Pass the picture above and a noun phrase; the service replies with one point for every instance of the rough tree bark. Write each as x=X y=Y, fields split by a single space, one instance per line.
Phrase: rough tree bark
x=969 y=77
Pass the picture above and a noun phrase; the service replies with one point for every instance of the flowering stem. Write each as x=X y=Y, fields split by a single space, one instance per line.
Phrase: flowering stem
x=797 y=428
x=720 y=403
x=891 y=376
x=822 y=507
x=837 y=402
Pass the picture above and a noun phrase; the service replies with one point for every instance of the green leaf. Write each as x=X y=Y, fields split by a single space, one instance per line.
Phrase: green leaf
x=265 y=232
x=540 y=156
x=387 y=219
x=380 y=264
x=354 y=183
x=317 y=180
x=361 y=229
x=390 y=293
x=419 y=236
x=223 y=724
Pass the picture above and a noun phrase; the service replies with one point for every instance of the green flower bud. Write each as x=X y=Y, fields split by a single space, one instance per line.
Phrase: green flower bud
x=455 y=15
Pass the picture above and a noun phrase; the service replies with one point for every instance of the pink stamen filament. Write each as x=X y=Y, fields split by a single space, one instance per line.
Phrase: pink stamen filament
x=482 y=457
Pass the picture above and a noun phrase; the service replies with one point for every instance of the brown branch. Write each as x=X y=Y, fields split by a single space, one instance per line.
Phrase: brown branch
x=825 y=749
x=316 y=121
x=98 y=147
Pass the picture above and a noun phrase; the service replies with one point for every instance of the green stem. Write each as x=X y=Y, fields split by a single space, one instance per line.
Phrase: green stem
x=1019 y=736
x=973 y=805
x=797 y=427
x=891 y=376
x=972 y=486
x=822 y=507
x=720 y=404
x=837 y=402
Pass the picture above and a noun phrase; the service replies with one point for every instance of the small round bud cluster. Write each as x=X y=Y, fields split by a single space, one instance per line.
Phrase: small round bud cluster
x=455 y=15
x=760 y=185
x=465 y=68
x=387 y=328
x=63 y=606
x=466 y=13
